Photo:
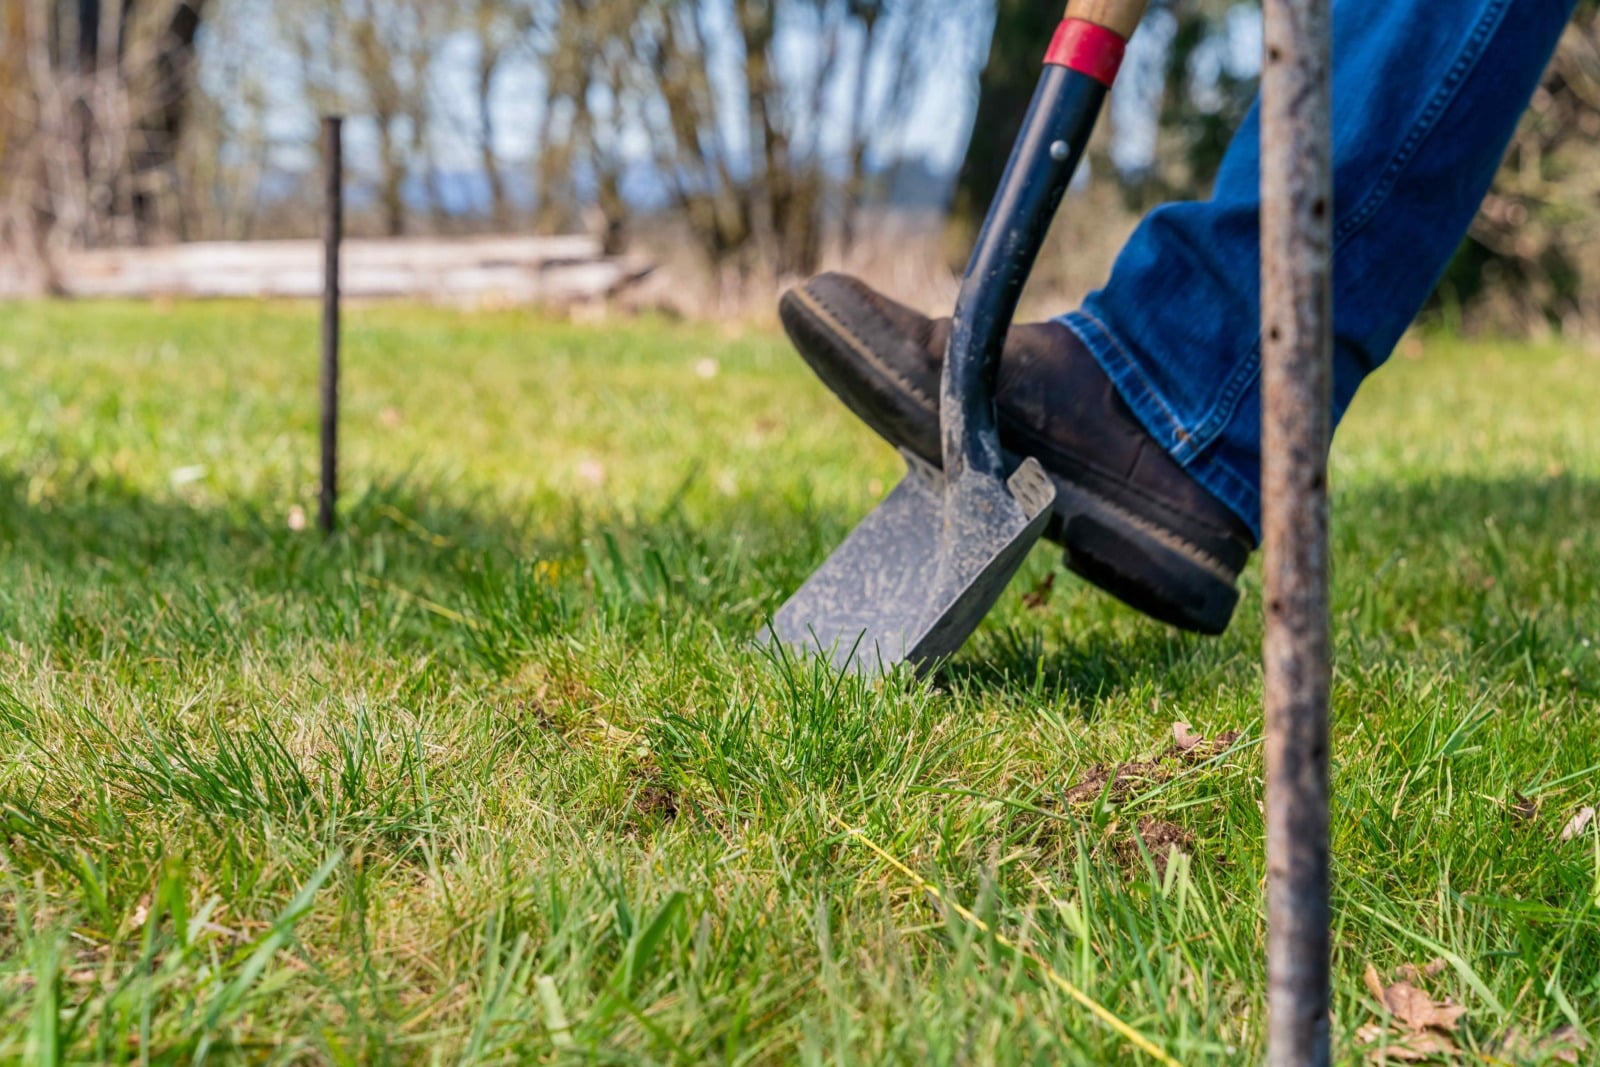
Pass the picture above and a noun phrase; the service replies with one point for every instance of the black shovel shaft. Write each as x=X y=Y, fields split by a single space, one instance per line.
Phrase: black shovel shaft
x=1054 y=136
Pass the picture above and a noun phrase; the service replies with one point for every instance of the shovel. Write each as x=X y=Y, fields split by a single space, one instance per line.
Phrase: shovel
x=915 y=579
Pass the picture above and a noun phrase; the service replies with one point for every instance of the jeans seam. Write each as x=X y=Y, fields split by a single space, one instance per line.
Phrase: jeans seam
x=1493 y=14
x=1238 y=493
x=1241 y=497
x=1189 y=442
x=1142 y=391
x=1227 y=405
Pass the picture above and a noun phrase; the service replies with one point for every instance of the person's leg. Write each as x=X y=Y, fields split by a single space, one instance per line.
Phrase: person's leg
x=1426 y=97
x=1159 y=505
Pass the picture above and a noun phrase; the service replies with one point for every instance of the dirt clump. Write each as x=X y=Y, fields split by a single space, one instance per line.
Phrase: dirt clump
x=1117 y=782
x=656 y=801
x=1159 y=837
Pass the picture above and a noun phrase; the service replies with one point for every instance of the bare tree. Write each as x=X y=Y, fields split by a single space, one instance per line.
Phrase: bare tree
x=499 y=29
x=587 y=109
x=96 y=102
x=391 y=44
x=225 y=156
x=372 y=59
x=1532 y=259
x=23 y=195
x=764 y=117
x=894 y=46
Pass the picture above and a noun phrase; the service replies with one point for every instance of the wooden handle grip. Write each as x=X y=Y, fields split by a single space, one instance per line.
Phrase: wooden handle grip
x=1121 y=17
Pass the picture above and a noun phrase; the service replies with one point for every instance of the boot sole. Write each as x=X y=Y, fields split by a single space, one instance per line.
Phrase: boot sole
x=1142 y=564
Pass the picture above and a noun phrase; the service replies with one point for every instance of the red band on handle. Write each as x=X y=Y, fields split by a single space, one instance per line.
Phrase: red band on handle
x=1087 y=48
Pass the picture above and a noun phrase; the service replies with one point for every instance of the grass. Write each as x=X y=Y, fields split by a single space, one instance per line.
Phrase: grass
x=495 y=775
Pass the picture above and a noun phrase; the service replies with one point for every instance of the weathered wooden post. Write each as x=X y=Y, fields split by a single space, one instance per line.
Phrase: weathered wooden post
x=333 y=235
x=1297 y=350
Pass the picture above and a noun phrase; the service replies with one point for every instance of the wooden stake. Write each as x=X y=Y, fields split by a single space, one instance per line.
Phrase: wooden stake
x=1297 y=347
x=333 y=235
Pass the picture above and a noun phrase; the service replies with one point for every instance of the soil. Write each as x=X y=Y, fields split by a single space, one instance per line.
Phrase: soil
x=1159 y=837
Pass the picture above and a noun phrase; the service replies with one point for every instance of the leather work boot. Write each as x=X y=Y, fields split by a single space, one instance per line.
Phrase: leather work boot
x=1132 y=521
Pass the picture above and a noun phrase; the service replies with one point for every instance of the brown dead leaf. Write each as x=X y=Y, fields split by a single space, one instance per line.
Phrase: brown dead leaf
x=1410 y=972
x=1580 y=822
x=1373 y=983
x=1422 y=1011
x=1565 y=1044
x=1195 y=747
x=1412 y=1006
x=1524 y=809
x=1385 y=1046
x=1562 y=1045
x=1039 y=598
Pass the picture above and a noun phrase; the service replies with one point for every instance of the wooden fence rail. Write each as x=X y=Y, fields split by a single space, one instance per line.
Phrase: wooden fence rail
x=513 y=270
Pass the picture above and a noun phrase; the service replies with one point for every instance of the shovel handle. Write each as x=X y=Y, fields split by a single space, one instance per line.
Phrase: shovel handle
x=1079 y=68
x=1121 y=17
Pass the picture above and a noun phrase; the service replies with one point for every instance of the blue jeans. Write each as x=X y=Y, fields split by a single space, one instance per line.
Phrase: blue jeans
x=1427 y=94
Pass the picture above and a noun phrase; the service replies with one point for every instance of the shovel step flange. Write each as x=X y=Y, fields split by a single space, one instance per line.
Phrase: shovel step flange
x=917 y=576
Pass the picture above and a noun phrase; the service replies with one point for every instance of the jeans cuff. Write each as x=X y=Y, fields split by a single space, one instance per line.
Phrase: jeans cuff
x=1238 y=490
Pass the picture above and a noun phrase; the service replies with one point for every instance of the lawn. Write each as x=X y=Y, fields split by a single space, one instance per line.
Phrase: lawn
x=495 y=774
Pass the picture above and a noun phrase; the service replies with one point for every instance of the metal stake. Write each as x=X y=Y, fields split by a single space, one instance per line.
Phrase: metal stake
x=1297 y=348
x=333 y=234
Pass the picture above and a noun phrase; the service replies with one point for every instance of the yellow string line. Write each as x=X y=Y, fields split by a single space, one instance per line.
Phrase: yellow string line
x=422 y=602
x=394 y=514
x=1100 y=1011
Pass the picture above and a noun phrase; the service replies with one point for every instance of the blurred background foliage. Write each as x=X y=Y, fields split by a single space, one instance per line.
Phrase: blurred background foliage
x=745 y=141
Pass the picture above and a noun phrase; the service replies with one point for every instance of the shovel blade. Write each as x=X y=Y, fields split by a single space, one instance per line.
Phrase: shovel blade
x=915 y=579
